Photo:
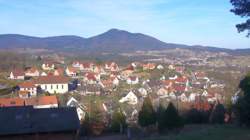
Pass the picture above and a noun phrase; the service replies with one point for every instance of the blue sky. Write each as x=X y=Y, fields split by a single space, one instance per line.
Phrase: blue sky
x=192 y=22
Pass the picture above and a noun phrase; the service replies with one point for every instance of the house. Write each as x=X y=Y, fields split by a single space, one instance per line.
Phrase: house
x=162 y=91
x=171 y=67
x=179 y=88
x=32 y=72
x=48 y=66
x=58 y=72
x=180 y=69
x=44 y=74
x=40 y=124
x=183 y=97
x=87 y=66
x=200 y=75
x=160 y=67
x=11 y=102
x=91 y=78
x=42 y=102
x=27 y=89
x=130 y=98
x=91 y=89
x=149 y=66
x=76 y=64
x=132 y=80
x=143 y=92
x=127 y=71
x=72 y=102
x=53 y=84
x=111 y=66
x=192 y=97
x=182 y=80
x=71 y=71
x=17 y=74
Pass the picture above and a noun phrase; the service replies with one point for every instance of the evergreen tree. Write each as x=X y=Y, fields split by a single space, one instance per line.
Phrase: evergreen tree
x=242 y=9
x=172 y=120
x=242 y=106
x=147 y=115
x=118 y=122
x=194 y=116
x=161 y=116
x=218 y=114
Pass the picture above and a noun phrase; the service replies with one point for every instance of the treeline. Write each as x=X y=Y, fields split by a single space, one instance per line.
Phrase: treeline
x=10 y=60
x=150 y=120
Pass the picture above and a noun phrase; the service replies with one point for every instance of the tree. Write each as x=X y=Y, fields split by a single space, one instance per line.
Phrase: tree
x=172 y=120
x=147 y=115
x=118 y=122
x=218 y=114
x=194 y=116
x=161 y=116
x=242 y=9
x=242 y=107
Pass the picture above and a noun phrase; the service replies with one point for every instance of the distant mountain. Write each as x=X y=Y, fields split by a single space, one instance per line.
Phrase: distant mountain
x=113 y=40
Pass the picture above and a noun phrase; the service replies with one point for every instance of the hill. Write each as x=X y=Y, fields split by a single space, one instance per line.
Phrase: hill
x=114 y=40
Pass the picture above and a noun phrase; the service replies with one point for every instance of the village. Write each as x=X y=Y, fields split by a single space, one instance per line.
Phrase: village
x=78 y=83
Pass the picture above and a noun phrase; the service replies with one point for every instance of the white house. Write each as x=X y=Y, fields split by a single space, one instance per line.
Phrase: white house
x=71 y=71
x=48 y=66
x=27 y=89
x=32 y=72
x=130 y=98
x=79 y=108
x=53 y=84
x=192 y=97
x=132 y=80
x=44 y=74
x=183 y=97
x=162 y=91
x=17 y=75
x=160 y=67
x=143 y=92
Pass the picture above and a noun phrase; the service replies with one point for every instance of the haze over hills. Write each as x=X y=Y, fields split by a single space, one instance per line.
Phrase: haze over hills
x=114 y=40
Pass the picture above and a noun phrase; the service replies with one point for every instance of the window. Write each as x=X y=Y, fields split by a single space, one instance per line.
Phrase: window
x=51 y=86
x=56 y=86
x=45 y=86
x=62 y=86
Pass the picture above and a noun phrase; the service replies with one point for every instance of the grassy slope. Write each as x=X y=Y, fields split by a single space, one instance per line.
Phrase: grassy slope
x=210 y=133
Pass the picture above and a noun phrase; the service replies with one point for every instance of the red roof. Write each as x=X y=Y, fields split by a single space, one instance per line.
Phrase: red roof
x=18 y=72
x=32 y=70
x=179 y=69
x=44 y=100
x=202 y=106
x=90 y=76
x=27 y=85
x=11 y=102
x=179 y=88
x=133 y=78
x=51 y=80
x=181 y=80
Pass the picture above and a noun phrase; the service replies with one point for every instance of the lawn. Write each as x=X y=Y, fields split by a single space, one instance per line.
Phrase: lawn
x=209 y=133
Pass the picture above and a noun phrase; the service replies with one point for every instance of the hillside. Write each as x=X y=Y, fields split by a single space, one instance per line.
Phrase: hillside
x=113 y=40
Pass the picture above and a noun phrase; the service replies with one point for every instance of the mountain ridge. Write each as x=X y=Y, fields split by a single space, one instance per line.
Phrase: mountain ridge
x=113 y=40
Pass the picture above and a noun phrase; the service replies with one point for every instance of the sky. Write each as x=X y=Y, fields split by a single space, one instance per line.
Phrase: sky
x=191 y=22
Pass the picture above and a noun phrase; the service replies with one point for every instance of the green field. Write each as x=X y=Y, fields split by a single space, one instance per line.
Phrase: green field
x=208 y=133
